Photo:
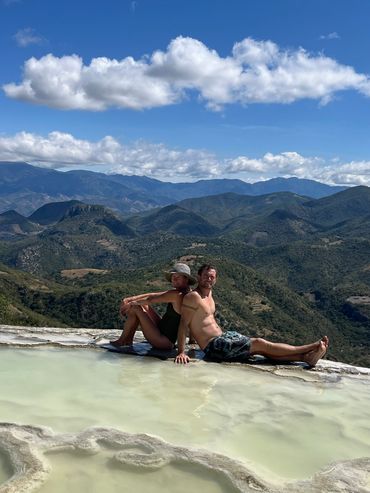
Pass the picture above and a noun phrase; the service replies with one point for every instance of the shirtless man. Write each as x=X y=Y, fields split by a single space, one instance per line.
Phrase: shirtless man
x=197 y=314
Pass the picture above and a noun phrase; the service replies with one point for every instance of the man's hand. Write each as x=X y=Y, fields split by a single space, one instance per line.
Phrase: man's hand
x=182 y=358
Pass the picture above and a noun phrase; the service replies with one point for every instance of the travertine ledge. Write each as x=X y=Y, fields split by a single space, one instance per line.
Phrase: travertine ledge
x=33 y=337
x=27 y=448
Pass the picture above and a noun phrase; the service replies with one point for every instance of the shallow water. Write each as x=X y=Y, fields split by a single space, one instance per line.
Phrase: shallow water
x=5 y=471
x=280 y=427
x=97 y=473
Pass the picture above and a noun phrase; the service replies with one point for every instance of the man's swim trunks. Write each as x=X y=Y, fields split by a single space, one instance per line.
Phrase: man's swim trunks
x=231 y=346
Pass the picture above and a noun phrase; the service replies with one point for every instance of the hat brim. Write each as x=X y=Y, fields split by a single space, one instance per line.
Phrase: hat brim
x=191 y=279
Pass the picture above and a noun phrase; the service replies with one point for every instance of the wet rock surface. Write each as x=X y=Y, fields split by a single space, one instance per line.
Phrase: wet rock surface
x=99 y=339
x=26 y=447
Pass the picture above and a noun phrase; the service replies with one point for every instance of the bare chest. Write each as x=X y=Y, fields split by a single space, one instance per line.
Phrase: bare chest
x=208 y=307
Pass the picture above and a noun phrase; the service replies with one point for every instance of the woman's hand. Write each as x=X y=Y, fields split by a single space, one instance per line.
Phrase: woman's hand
x=124 y=307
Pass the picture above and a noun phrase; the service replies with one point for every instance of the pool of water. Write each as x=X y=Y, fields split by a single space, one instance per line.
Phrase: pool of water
x=280 y=427
x=97 y=473
x=5 y=470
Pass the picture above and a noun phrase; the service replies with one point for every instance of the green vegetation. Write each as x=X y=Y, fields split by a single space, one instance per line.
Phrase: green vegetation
x=289 y=267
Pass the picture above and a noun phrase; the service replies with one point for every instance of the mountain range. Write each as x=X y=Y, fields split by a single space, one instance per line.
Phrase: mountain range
x=25 y=188
x=290 y=267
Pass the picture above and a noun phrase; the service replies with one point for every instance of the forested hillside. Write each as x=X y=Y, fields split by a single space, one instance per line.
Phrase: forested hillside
x=289 y=267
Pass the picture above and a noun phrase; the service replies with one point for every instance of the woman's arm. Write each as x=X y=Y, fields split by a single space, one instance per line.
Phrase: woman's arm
x=125 y=303
x=166 y=297
x=170 y=296
x=139 y=297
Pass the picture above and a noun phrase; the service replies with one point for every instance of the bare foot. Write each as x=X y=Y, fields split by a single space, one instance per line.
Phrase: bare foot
x=312 y=357
x=325 y=340
x=317 y=344
x=120 y=343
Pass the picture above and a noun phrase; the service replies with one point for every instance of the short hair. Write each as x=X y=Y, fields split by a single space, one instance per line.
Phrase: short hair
x=204 y=267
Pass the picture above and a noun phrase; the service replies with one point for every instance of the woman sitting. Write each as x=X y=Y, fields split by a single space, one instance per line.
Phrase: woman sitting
x=161 y=333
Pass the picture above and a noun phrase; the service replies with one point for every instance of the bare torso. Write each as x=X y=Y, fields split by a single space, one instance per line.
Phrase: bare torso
x=203 y=324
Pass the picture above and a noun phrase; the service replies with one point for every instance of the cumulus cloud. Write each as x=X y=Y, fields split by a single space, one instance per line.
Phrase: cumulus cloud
x=254 y=72
x=60 y=150
x=283 y=164
x=288 y=164
x=27 y=36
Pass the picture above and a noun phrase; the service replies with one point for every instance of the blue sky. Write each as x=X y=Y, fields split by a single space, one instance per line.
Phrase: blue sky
x=185 y=90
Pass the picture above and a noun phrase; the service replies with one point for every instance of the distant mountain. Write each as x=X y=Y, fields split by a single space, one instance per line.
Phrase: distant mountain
x=222 y=209
x=308 y=188
x=173 y=219
x=92 y=235
x=89 y=219
x=347 y=205
x=13 y=224
x=52 y=212
x=203 y=188
x=25 y=188
x=283 y=216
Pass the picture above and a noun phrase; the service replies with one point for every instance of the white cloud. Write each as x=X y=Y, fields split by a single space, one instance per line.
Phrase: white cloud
x=288 y=164
x=255 y=72
x=27 y=36
x=284 y=164
x=330 y=36
x=61 y=150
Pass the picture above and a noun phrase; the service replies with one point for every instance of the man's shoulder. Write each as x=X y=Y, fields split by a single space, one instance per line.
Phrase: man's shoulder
x=192 y=298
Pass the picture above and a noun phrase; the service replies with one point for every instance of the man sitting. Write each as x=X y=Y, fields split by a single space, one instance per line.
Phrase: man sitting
x=197 y=314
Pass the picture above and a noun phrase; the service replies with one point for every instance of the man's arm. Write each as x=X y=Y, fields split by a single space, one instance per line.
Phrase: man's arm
x=187 y=312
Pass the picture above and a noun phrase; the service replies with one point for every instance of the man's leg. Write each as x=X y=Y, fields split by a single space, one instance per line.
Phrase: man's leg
x=309 y=353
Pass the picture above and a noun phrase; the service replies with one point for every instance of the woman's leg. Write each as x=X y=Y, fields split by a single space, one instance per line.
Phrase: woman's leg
x=152 y=314
x=129 y=329
x=150 y=329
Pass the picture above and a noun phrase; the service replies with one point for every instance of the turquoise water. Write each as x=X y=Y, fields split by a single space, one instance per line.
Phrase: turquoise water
x=279 y=427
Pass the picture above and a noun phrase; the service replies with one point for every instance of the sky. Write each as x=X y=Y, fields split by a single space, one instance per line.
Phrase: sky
x=182 y=90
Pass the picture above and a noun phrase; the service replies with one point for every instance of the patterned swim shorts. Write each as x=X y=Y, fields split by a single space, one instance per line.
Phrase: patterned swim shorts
x=231 y=346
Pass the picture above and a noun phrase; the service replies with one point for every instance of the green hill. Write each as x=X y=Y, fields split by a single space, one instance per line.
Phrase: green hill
x=53 y=212
x=246 y=301
x=343 y=206
x=173 y=219
x=222 y=210
x=15 y=305
x=290 y=268
x=13 y=224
